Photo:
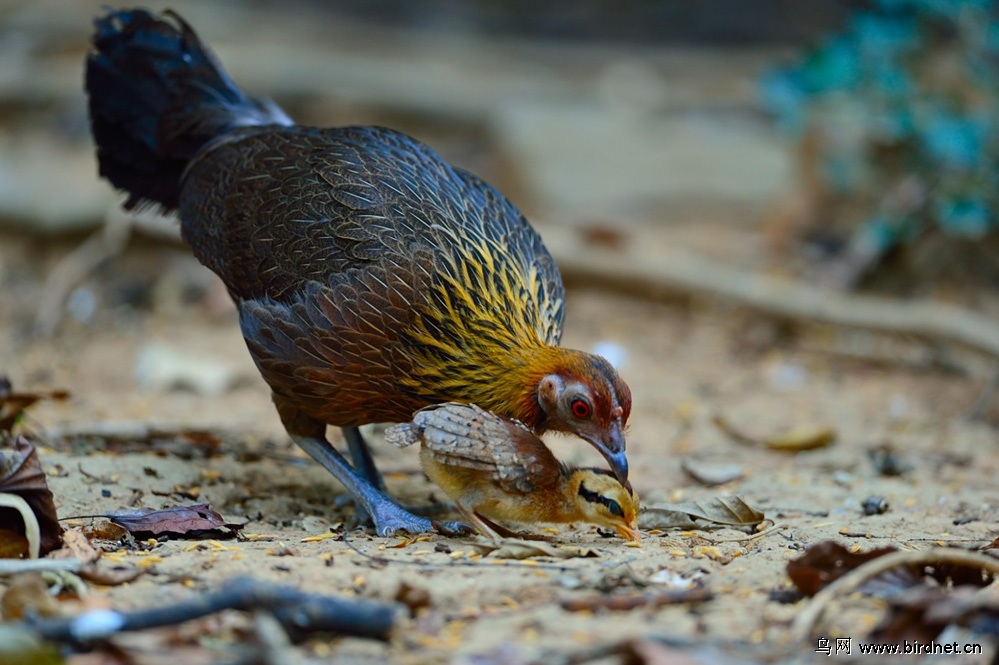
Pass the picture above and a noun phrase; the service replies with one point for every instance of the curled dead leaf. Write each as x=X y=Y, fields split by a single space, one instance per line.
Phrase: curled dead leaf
x=21 y=474
x=825 y=562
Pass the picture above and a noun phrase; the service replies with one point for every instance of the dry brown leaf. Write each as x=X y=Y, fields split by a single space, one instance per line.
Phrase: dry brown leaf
x=21 y=474
x=199 y=521
x=728 y=510
x=106 y=530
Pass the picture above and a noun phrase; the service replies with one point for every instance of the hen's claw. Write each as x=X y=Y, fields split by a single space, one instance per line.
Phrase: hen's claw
x=453 y=529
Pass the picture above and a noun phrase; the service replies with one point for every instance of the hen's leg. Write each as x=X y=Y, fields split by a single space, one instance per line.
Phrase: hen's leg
x=388 y=517
x=361 y=457
x=364 y=464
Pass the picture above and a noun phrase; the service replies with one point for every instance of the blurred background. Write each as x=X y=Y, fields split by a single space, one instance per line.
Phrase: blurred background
x=842 y=143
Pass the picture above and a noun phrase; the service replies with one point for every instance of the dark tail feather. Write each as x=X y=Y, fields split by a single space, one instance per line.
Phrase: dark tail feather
x=156 y=96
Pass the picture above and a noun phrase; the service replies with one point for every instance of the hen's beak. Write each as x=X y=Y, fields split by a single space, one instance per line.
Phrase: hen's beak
x=611 y=446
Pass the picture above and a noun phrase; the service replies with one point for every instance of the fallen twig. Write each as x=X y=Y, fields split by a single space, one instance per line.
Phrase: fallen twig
x=774 y=528
x=299 y=613
x=682 y=271
x=16 y=566
x=804 y=622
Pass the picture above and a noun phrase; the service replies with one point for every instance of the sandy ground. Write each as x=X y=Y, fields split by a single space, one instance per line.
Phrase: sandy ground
x=686 y=363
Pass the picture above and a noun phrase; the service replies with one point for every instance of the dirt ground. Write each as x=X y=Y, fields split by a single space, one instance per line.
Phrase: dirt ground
x=686 y=362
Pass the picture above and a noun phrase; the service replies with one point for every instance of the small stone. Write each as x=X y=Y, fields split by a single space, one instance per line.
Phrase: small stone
x=874 y=505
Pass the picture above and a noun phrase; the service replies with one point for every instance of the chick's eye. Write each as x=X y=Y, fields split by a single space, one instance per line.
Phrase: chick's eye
x=614 y=507
x=581 y=408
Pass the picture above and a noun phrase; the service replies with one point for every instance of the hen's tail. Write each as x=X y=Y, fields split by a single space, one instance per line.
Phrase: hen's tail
x=156 y=96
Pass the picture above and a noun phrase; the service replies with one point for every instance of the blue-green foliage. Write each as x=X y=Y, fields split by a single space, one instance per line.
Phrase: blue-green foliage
x=916 y=80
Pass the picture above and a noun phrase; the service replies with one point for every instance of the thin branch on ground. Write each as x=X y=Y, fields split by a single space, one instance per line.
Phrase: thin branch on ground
x=774 y=528
x=299 y=613
x=18 y=566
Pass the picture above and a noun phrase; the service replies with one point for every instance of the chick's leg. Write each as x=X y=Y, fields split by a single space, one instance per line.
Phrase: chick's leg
x=479 y=523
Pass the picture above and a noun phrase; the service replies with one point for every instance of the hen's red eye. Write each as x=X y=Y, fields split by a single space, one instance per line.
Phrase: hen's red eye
x=581 y=408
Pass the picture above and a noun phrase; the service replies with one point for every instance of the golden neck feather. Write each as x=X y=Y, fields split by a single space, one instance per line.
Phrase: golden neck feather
x=484 y=336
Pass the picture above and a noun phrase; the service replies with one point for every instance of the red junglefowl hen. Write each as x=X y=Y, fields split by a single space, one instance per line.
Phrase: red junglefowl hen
x=496 y=468
x=372 y=278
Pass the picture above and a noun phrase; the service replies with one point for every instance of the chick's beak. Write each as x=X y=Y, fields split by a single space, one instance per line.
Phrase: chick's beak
x=611 y=446
x=629 y=532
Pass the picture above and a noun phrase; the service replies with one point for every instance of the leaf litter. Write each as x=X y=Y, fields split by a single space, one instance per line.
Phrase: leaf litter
x=196 y=522
x=926 y=591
